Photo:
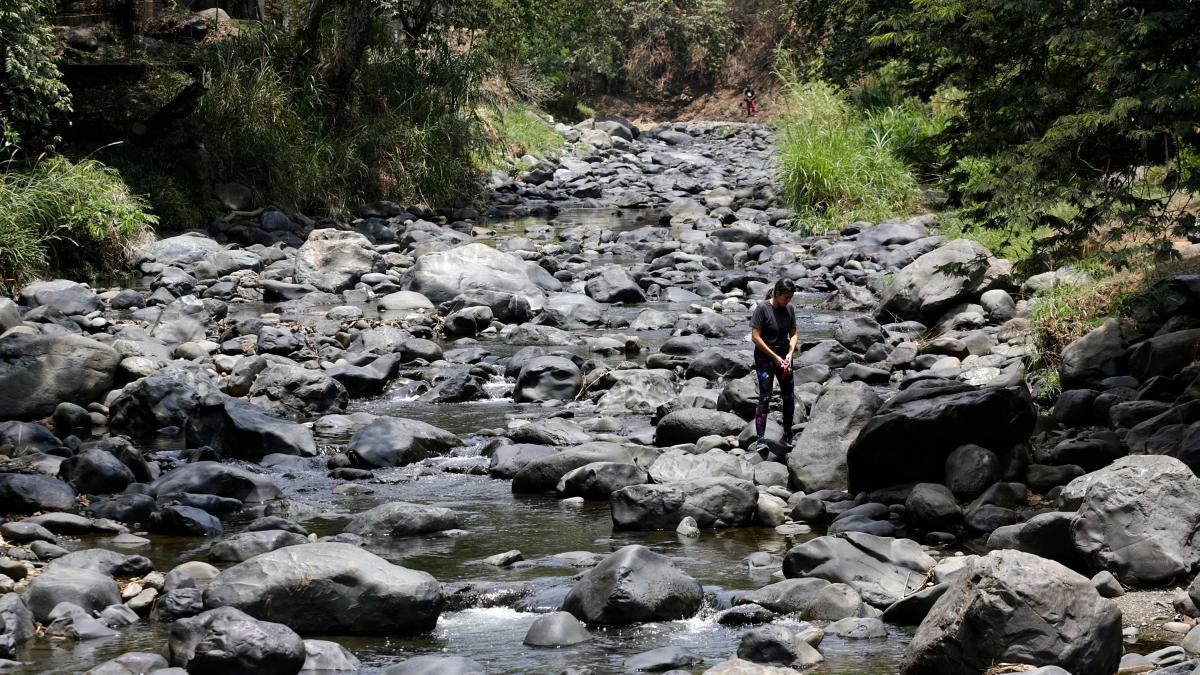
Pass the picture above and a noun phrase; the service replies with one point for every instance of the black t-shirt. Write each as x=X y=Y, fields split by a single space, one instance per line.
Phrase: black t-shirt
x=774 y=325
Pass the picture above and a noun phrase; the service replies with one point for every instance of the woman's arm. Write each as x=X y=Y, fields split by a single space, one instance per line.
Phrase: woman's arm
x=756 y=338
x=792 y=339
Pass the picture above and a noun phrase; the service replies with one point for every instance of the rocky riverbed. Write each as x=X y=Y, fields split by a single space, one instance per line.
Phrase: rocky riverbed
x=519 y=441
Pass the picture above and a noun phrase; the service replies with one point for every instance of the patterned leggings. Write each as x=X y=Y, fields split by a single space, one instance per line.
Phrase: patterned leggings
x=767 y=371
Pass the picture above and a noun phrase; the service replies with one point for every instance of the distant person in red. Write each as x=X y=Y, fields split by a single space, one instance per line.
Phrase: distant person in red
x=751 y=103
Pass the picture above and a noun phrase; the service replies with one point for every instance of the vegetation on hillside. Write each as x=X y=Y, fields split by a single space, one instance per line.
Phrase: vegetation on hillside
x=1076 y=120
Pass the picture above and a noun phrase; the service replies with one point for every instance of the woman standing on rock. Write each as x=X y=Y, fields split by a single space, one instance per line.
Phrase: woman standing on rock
x=773 y=332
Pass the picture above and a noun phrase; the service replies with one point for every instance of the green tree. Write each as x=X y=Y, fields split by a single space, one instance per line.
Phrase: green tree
x=32 y=94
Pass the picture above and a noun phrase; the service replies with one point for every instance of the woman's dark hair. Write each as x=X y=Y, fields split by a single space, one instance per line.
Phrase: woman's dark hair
x=782 y=287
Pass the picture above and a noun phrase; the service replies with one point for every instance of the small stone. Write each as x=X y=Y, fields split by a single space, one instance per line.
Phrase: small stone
x=1107 y=585
x=688 y=527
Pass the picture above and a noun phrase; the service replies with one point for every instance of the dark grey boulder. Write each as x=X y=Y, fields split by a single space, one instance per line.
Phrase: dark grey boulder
x=716 y=364
x=547 y=378
x=931 y=507
x=598 y=480
x=226 y=640
x=633 y=585
x=215 y=478
x=1013 y=607
x=106 y=562
x=614 y=285
x=925 y=289
x=395 y=441
x=691 y=424
x=158 y=401
x=777 y=646
x=940 y=416
x=329 y=589
x=882 y=569
x=544 y=473
x=187 y=521
x=662 y=659
x=68 y=297
x=27 y=437
x=435 y=664
x=970 y=469
x=790 y=596
x=556 y=629
x=1138 y=519
x=507 y=460
x=712 y=502
x=244 y=546
x=239 y=429
x=401 y=519
x=30 y=493
x=89 y=589
x=37 y=372
x=836 y=419
x=323 y=656
x=96 y=472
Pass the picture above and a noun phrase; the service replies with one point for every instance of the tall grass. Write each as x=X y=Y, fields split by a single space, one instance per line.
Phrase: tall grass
x=835 y=165
x=407 y=131
x=518 y=130
x=65 y=217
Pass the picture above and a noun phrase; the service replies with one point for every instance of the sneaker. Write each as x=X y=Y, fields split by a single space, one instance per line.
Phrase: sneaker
x=789 y=441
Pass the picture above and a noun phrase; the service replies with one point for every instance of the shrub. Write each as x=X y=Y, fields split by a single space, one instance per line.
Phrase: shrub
x=67 y=218
x=32 y=94
x=519 y=130
x=836 y=165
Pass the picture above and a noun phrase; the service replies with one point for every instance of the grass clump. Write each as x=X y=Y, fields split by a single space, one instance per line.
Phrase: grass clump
x=835 y=165
x=404 y=131
x=64 y=217
x=519 y=130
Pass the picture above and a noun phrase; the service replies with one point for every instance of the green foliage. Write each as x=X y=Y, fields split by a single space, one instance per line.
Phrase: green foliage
x=66 y=217
x=835 y=164
x=519 y=130
x=406 y=131
x=606 y=45
x=32 y=94
x=1068 y=101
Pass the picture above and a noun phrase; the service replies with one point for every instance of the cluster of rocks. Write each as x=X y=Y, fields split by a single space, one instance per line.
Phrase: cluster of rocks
x=915 y=426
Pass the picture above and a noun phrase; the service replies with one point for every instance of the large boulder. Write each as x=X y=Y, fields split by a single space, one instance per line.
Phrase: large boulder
x=911 y=436
x=614 y=285
x=443 y=275
x=1138 y=519
x=1093 y=357
x=1166 y=354
x=1014 y=607
x=96 y=471
x=296 y=392
x=401 y=519
x=691 y=424
x=333 y=260
x=167 y=400
x=837 y=417
x=241 y=430
x=181 y=251
x=883 y=570
x=226 y=640
x=329 y=589
x=678 y=465
x=542 y=474
x=712 y=502
x=547 y=378
x=396 y=441
x=37 y=372
x=69 y=297
x=215 y=478
x=87 y=588
x=599 y=480
x=633 y=585
x=636 y=391
x=30 y=493
x=957 y=272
